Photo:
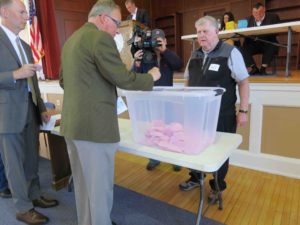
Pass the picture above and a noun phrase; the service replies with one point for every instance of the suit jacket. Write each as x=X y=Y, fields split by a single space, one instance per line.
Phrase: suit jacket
x=141 y=16
x=14 y=94
x=91 y=70
x=270 y=18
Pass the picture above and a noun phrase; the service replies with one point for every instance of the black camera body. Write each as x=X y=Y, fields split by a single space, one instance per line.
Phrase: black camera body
x=146 y=43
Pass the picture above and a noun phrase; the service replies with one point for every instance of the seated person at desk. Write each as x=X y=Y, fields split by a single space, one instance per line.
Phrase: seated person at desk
x=167 y=61
x=229 y=17
x=140 y=15
x=252 y=46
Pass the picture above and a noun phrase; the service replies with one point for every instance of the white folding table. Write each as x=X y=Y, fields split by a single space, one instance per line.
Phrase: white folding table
x=208 y=161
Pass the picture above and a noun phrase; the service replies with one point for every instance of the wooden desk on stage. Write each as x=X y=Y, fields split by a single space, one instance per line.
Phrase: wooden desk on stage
x=262 y=30
x=208 y=161
x=60 y=164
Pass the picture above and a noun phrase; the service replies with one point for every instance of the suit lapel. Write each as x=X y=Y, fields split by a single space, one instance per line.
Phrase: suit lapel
x=265 y=21
x=27 y=51
x=5 y=40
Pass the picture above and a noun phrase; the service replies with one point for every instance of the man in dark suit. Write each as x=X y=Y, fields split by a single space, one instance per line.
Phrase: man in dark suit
x=140 y=15
x=252 y=46
x=91 y=71
x=21 y=111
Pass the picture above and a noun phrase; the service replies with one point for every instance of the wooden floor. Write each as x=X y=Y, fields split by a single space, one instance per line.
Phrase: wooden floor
x=252 y=197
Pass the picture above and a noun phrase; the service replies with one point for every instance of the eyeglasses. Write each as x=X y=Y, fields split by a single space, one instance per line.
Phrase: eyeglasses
x=118 y=23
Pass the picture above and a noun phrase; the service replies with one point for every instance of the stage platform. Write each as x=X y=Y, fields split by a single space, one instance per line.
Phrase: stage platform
x=278 y=78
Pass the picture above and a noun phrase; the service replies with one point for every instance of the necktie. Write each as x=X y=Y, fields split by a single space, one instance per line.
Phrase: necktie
x=29 y=79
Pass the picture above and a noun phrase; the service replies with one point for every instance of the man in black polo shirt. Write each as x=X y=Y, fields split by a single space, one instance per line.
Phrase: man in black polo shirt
x=217 y=64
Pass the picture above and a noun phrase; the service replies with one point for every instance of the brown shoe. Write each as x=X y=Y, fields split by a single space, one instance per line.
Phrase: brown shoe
x=43 y=202
x=32 y=217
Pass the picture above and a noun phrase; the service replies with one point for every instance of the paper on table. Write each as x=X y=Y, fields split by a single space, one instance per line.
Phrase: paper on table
x=51 y=124
x=121 y=106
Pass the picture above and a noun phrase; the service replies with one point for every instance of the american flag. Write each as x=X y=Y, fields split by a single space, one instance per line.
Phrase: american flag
x=35 y=34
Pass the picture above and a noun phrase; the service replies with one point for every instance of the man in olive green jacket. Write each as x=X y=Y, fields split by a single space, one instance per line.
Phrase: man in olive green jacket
x=91 y=71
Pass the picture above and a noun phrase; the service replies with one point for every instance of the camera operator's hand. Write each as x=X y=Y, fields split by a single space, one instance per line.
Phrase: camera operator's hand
x=138 y=55
x=163 y=44
x=155 y=73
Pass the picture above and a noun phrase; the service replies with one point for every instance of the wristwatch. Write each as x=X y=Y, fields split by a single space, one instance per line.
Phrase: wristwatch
x=243 y=111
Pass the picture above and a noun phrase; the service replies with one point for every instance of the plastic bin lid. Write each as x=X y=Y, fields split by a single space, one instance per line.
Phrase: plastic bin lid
x=176 y=91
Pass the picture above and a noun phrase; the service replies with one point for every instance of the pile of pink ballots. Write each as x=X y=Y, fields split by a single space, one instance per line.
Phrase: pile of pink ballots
x=166 y=136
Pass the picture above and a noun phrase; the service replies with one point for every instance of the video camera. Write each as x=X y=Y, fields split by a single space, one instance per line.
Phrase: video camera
x=142 y=39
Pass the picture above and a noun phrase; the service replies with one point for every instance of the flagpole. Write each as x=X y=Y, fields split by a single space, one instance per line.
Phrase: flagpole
x=37 y=48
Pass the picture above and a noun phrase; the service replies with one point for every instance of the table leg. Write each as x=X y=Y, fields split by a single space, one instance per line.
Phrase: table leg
x=288 y=52
x=200 y=209
x=220 y=199
x=61 y=169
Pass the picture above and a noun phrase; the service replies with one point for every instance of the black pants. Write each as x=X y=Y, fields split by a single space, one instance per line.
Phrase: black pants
x=251 y=47
x=226 y=123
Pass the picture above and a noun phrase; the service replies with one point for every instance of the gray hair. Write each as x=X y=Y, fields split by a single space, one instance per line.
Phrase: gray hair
x=206 y=19
x=102 y=7
x=5 y=2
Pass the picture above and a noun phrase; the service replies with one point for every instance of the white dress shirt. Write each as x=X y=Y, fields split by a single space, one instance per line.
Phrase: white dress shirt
x=134 y=14
x=12 y=37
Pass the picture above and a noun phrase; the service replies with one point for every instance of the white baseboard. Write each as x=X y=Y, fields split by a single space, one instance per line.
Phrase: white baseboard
x=284 y=166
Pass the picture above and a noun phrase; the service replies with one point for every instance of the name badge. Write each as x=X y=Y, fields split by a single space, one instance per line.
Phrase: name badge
x=214 y=67
x=121 y=106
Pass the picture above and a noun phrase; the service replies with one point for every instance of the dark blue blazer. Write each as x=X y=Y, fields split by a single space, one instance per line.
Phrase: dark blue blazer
x=270 y=18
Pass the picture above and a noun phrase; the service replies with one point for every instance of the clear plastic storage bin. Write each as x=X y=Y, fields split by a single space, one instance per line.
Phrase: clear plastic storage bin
x=175 y=119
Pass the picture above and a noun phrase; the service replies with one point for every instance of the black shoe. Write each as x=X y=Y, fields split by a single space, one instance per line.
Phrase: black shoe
x=176 y=168
x=5 y=193
x=151 y=165
x=254 y=71
x=113 y=223
x=213 y=197
x=43 y=202
x=188 y=185
x=263 y=71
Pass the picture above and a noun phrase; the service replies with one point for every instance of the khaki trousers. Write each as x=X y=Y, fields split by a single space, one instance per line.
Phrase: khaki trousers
x=92 y=167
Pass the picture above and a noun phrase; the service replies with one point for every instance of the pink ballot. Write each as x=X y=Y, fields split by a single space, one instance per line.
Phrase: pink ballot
x=176 y=127
x=38 y=67
x=168 y=137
